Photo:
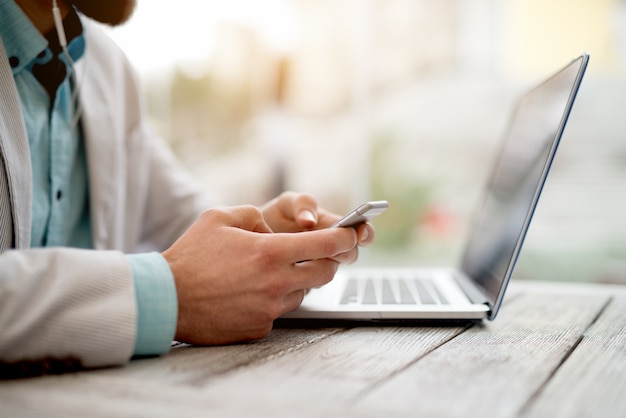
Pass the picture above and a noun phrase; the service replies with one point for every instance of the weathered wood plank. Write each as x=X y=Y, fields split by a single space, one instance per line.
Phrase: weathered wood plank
x=592 y=381
x=517 y=364
x=336 y=368
x=106 y=398
x=74 y=396
x=189 y=365
x=491 y=370
x=157 y=386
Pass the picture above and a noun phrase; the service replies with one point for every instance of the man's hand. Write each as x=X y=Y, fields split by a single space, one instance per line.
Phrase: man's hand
x=296 y=212
x=234 y=277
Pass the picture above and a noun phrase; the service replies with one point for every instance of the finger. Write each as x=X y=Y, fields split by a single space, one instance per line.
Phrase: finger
x=292 y=300
x=313 y=245
x=365 y=233
x=246 y=217
x=305 y=208
x=300 y=207
x=348 y=257
x=313 y=274
x=326 y=218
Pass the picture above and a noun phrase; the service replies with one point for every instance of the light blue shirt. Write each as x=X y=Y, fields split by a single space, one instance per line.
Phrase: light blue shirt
x=60 y=212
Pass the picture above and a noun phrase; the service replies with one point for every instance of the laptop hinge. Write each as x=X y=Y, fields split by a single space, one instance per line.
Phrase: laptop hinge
x=473 y=293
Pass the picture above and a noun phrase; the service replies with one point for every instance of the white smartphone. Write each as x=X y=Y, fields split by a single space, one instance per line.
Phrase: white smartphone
x=365 y=212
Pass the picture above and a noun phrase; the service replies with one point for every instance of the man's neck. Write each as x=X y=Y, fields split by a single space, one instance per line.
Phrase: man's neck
x=40 y=13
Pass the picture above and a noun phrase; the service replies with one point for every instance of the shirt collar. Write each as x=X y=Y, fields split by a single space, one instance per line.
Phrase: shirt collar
x=25 y=45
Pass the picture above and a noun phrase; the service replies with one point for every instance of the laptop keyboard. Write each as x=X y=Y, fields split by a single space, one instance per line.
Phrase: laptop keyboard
x=392 y=291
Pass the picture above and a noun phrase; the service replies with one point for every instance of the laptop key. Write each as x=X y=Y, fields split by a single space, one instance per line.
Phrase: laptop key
x=369 y=296
x=425 y=296
x=442 y=299
x=406 y=297
x=388 y=296
x=350 y=293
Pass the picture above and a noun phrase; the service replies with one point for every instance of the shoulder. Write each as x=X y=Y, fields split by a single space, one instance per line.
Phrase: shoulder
x=104 y=54
x=109 y=71
x=98 y=40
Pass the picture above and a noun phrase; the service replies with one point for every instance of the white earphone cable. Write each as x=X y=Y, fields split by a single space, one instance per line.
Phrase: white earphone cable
x=58 y=24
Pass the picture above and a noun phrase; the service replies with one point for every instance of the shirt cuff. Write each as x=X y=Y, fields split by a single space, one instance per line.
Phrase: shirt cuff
x=157 y=305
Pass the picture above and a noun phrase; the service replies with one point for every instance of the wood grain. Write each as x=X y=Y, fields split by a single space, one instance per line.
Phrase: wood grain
x=555 y=350
x=195 y=366
x=592 y=381
x=334 y=367
x=492 y=370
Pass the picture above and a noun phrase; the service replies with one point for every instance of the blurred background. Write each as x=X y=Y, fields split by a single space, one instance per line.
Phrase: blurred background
x=403 y=100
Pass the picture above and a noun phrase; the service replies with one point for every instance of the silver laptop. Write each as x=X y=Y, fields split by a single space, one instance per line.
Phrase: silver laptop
x=475 y=289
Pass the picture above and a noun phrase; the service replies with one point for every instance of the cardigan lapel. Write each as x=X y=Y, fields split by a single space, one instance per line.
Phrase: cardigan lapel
x=103 y=153
x=15 y=164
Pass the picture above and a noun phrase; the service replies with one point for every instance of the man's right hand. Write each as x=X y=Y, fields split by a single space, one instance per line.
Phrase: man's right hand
x=234 y=277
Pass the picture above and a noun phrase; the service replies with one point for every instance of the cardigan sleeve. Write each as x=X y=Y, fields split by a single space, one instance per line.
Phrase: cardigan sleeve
x=66 y=306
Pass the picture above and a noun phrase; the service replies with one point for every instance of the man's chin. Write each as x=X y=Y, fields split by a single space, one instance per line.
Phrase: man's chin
x=110 y=12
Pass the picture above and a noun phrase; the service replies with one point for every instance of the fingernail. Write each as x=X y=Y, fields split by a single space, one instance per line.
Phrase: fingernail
x=307 y=215
x=365 y=235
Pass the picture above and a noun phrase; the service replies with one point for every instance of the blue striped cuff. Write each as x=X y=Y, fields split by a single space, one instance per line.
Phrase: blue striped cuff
x=157 y=305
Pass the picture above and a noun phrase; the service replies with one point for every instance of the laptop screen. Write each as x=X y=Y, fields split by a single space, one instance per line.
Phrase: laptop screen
x=520 y=171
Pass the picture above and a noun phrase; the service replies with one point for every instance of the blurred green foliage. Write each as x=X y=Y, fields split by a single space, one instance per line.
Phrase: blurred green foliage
x=408 y=197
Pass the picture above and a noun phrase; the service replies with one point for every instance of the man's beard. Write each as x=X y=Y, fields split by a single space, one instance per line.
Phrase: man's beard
x=110 y=12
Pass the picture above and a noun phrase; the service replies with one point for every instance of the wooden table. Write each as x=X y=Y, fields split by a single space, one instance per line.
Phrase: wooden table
x=555 y=350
